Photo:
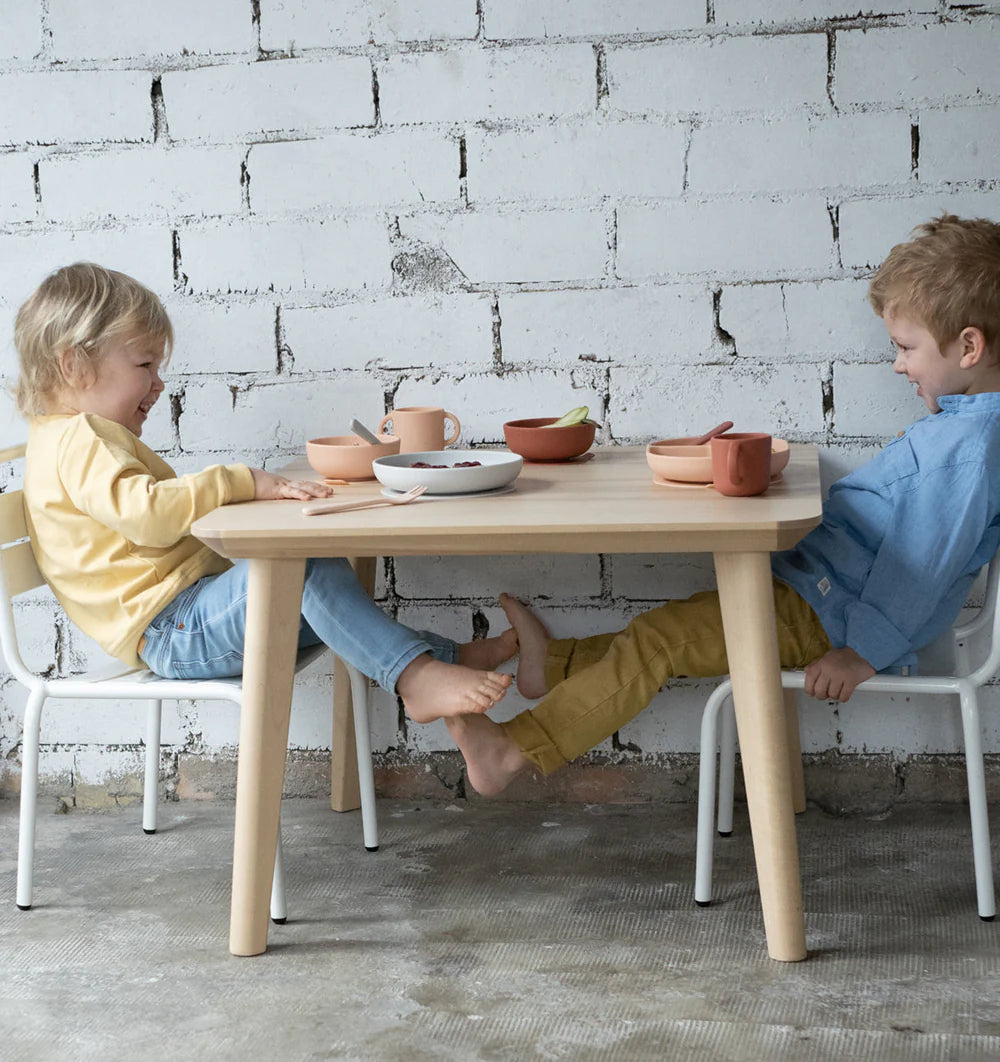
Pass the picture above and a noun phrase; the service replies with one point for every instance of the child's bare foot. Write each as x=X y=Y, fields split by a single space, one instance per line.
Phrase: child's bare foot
x=532 y=640
x=489 y=653
x=492 y=759
x=431 y=689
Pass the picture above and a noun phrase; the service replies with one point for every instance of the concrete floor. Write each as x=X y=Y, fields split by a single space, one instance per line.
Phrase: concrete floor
x=505 y=932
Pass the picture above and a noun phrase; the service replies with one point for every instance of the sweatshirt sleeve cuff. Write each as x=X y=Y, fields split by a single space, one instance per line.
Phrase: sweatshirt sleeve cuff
x=241 y=484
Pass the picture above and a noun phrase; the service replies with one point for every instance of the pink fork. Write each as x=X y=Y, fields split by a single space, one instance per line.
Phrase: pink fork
x=325 y=506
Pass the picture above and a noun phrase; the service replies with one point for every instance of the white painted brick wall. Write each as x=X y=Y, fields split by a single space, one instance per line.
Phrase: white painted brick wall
x=730 y=237
x=960 y=147
x=453 y=331
x=642 y=324
x=28 y=254
x=800 y=153
x=76 y=106
x=803 y=321
x=574 y=18
x=234 y=415
x=17 y=199
x=935 y=61
x=231 y=102
x=469 y=84
x=579 y=162
x=260 y=256
x=667 y=212
x=354 y=170
x=22 y=30
x=796 y=12
x=210 y=338
x=145 y=182
x=719 y=74
x=288 y=25
x=520 y=247
x=145 y=27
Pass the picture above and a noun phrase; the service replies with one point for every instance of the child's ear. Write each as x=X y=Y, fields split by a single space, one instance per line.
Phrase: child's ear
x=77 y=372
x=973 y=346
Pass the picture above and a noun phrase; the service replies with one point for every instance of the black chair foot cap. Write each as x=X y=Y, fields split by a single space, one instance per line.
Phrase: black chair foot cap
x=374 y=848
x=703 y=903
x=279 y=921
x=24 y=906
x=144 y=830
x=727 y=833
x=986 y=918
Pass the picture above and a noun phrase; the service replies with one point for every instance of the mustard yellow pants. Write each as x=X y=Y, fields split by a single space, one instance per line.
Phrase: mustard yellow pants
x=596 y=685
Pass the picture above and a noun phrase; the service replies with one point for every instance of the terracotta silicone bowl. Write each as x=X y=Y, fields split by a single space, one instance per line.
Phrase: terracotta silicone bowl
x=534 y=442
x=677 y=461
x=347 y=456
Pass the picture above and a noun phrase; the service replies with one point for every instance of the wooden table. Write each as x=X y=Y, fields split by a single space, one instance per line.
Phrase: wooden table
x=607 y=504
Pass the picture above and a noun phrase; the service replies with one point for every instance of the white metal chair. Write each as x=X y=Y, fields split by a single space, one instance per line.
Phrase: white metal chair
x=19 y=574
x=965 y=683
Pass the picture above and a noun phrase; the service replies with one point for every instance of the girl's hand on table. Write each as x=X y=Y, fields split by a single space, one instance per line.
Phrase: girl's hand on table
x=269 y=487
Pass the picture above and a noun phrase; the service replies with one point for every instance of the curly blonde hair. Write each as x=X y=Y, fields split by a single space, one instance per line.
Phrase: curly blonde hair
x=947 y=277
x=77 y=309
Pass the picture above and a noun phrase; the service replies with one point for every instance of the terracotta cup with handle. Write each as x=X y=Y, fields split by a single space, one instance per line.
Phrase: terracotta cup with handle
x=741 y=463
x=421 y=428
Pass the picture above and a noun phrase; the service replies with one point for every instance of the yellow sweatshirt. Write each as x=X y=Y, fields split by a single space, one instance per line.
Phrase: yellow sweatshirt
x=110 y=524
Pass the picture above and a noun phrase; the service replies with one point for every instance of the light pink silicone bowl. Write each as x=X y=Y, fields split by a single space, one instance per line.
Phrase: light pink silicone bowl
x=347 y=456
x=680 y=462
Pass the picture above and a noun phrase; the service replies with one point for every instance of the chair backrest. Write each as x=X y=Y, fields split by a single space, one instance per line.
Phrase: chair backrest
x=989 y=616
x=18 y=571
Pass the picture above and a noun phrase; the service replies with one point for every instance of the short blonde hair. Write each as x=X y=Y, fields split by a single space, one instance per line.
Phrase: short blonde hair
x=947 y=277
x=78 y=308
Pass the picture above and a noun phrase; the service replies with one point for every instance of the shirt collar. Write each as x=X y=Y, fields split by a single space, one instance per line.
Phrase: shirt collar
x=987 y=402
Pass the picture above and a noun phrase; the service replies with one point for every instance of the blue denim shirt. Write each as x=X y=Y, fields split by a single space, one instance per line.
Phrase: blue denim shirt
x=890 y=566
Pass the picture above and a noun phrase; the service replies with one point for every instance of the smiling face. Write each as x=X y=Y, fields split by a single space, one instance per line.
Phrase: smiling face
x=936 y=372
x=124 y=383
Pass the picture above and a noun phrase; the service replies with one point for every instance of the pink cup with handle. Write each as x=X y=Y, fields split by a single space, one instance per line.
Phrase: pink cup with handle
x=421 y=428
x=741 y=463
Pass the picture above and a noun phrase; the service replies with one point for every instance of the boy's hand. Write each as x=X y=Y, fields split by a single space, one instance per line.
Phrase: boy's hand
x=269 y=487
x=836 y=674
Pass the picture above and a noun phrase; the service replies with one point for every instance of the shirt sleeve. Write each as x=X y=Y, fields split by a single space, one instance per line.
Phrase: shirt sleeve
x=935 y=530
x=104 y=477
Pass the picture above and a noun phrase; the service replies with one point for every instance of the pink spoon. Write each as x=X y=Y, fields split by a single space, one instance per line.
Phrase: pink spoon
x=718 y=430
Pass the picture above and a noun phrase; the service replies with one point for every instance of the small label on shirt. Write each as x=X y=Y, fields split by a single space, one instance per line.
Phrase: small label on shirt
x=823 y=586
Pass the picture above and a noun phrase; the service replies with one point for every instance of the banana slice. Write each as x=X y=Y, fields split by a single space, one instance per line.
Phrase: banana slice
x=574 y=416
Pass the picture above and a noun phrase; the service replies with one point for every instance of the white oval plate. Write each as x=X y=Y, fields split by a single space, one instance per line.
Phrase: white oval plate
x=496 y=468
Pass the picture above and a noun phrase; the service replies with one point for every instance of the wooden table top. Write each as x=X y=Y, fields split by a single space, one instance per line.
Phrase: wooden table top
x=607 y=503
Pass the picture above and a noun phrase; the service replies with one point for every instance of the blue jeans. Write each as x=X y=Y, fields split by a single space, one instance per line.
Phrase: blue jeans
x=199 y=635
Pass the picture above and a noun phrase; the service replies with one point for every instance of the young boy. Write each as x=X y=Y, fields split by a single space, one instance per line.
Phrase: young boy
x=110 y=521
x=885 y=572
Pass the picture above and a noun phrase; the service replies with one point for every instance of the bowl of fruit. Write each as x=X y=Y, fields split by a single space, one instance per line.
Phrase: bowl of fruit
x=448 y=471
x=552 y=438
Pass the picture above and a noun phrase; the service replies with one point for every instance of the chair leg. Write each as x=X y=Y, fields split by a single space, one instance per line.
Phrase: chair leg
x=727 y=766
x=978 y=814
x=29 y=797
x=706 y=795
x=279 y=909
x=366 y=776
x=154 y=712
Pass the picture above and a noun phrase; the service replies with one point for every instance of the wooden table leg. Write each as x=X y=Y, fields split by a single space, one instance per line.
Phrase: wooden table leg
x=274 y=604
x=795 y=751
x=345 y=790
x=747 y=599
